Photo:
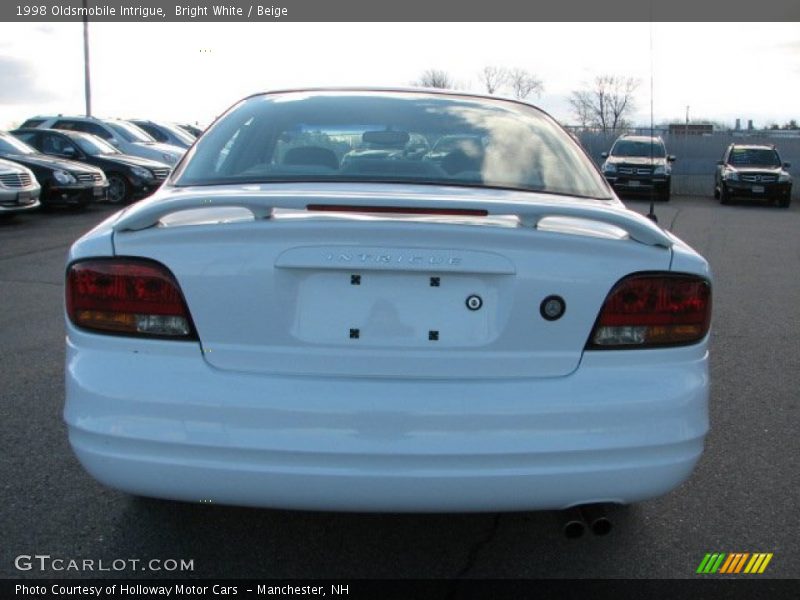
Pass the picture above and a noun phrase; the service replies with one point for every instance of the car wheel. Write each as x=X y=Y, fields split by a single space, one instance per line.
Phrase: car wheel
x=118 y=189
x=724 y=195
x=785 y=201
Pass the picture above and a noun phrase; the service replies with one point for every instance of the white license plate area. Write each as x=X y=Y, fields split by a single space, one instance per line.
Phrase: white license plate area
x=24 y=197
x=376 y=308
x=634 y=183
x=758 y=189
x=99 y=191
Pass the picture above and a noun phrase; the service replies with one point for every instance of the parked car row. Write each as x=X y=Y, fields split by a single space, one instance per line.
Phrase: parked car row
x=638 y=164
x=125 y=136
x=129 y=177
x=74 y=161
x=62 y=182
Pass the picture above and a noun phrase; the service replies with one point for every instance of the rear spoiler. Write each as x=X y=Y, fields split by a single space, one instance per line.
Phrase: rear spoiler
x=147 y=214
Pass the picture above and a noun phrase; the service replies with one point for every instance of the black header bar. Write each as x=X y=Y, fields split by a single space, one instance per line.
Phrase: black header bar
x=707 y=588
x=273 y=11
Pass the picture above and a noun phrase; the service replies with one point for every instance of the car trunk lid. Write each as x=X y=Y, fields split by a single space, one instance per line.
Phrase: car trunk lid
x=370 y=294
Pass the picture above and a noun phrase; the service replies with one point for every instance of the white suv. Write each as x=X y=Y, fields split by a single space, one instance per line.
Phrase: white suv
x=126 y=137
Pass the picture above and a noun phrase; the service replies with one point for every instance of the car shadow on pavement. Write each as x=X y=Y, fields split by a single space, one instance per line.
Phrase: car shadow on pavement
x=242 y=542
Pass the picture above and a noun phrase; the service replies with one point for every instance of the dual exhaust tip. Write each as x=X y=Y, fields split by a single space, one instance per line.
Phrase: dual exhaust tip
x=575 y=521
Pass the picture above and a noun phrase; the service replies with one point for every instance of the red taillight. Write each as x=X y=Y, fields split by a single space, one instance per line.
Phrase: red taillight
x=127 y=295
x=654 y=310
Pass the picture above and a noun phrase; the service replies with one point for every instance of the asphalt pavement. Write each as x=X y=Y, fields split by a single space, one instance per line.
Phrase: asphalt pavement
x=743 y=497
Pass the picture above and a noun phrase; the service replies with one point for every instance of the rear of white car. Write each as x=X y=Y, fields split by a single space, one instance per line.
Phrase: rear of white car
x=384 y=344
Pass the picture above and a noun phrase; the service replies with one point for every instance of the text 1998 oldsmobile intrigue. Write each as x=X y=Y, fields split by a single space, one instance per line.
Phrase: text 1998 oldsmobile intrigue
x=318 y=311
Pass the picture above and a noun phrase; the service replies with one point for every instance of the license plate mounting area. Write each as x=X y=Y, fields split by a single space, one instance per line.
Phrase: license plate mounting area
x=393 y=308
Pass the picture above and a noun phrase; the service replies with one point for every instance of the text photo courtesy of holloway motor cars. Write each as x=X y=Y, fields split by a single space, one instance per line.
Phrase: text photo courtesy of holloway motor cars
x=376 y=301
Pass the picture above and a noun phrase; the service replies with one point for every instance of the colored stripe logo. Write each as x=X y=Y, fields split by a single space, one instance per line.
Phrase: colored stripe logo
x=734 y=562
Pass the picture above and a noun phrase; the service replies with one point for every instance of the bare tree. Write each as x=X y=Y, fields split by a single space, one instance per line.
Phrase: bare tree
x=493 y=78
x=524 y=83
x=435 y=78
x=582 y=107
x=620 y=98
x=607 y=104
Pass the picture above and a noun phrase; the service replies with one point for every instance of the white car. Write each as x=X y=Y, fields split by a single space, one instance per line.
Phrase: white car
x=123 y=135
x=165 y=132
x=19 y=189
x=273 y=329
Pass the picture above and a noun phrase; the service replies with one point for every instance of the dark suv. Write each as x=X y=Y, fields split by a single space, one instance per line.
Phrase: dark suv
x=753 y=171
x=639 y=164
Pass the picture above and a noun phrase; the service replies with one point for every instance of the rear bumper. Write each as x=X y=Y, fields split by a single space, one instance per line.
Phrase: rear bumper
x=152 y=418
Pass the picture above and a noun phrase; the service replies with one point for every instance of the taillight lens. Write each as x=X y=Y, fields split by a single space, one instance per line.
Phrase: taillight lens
x=127 y=296
x=654 y=310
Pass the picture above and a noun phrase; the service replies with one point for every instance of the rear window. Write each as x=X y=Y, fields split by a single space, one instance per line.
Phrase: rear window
x=32 y=123
x=391 y=137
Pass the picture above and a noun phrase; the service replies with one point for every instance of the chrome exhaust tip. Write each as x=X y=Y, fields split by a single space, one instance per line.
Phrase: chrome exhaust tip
x=596 y=518
x=572 y=523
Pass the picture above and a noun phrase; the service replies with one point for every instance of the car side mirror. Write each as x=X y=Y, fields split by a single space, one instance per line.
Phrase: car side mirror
x=114 y=142
x=672 y=158
x=604 y=154
x=720 y=163
x=787 y=165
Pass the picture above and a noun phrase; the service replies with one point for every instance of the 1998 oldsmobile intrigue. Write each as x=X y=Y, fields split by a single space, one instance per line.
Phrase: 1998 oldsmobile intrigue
x=311 y=314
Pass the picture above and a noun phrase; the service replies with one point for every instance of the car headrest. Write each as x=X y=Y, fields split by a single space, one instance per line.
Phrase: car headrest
x=311 y=156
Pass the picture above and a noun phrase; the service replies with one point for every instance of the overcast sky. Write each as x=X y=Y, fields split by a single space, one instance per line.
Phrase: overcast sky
x=193 y=71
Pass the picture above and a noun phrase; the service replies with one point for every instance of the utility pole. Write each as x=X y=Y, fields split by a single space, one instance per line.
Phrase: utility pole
x=86 y=75
x=687 y=119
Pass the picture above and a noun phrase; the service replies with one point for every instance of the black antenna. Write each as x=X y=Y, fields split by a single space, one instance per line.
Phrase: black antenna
x=652 y=214
x=87 y=81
